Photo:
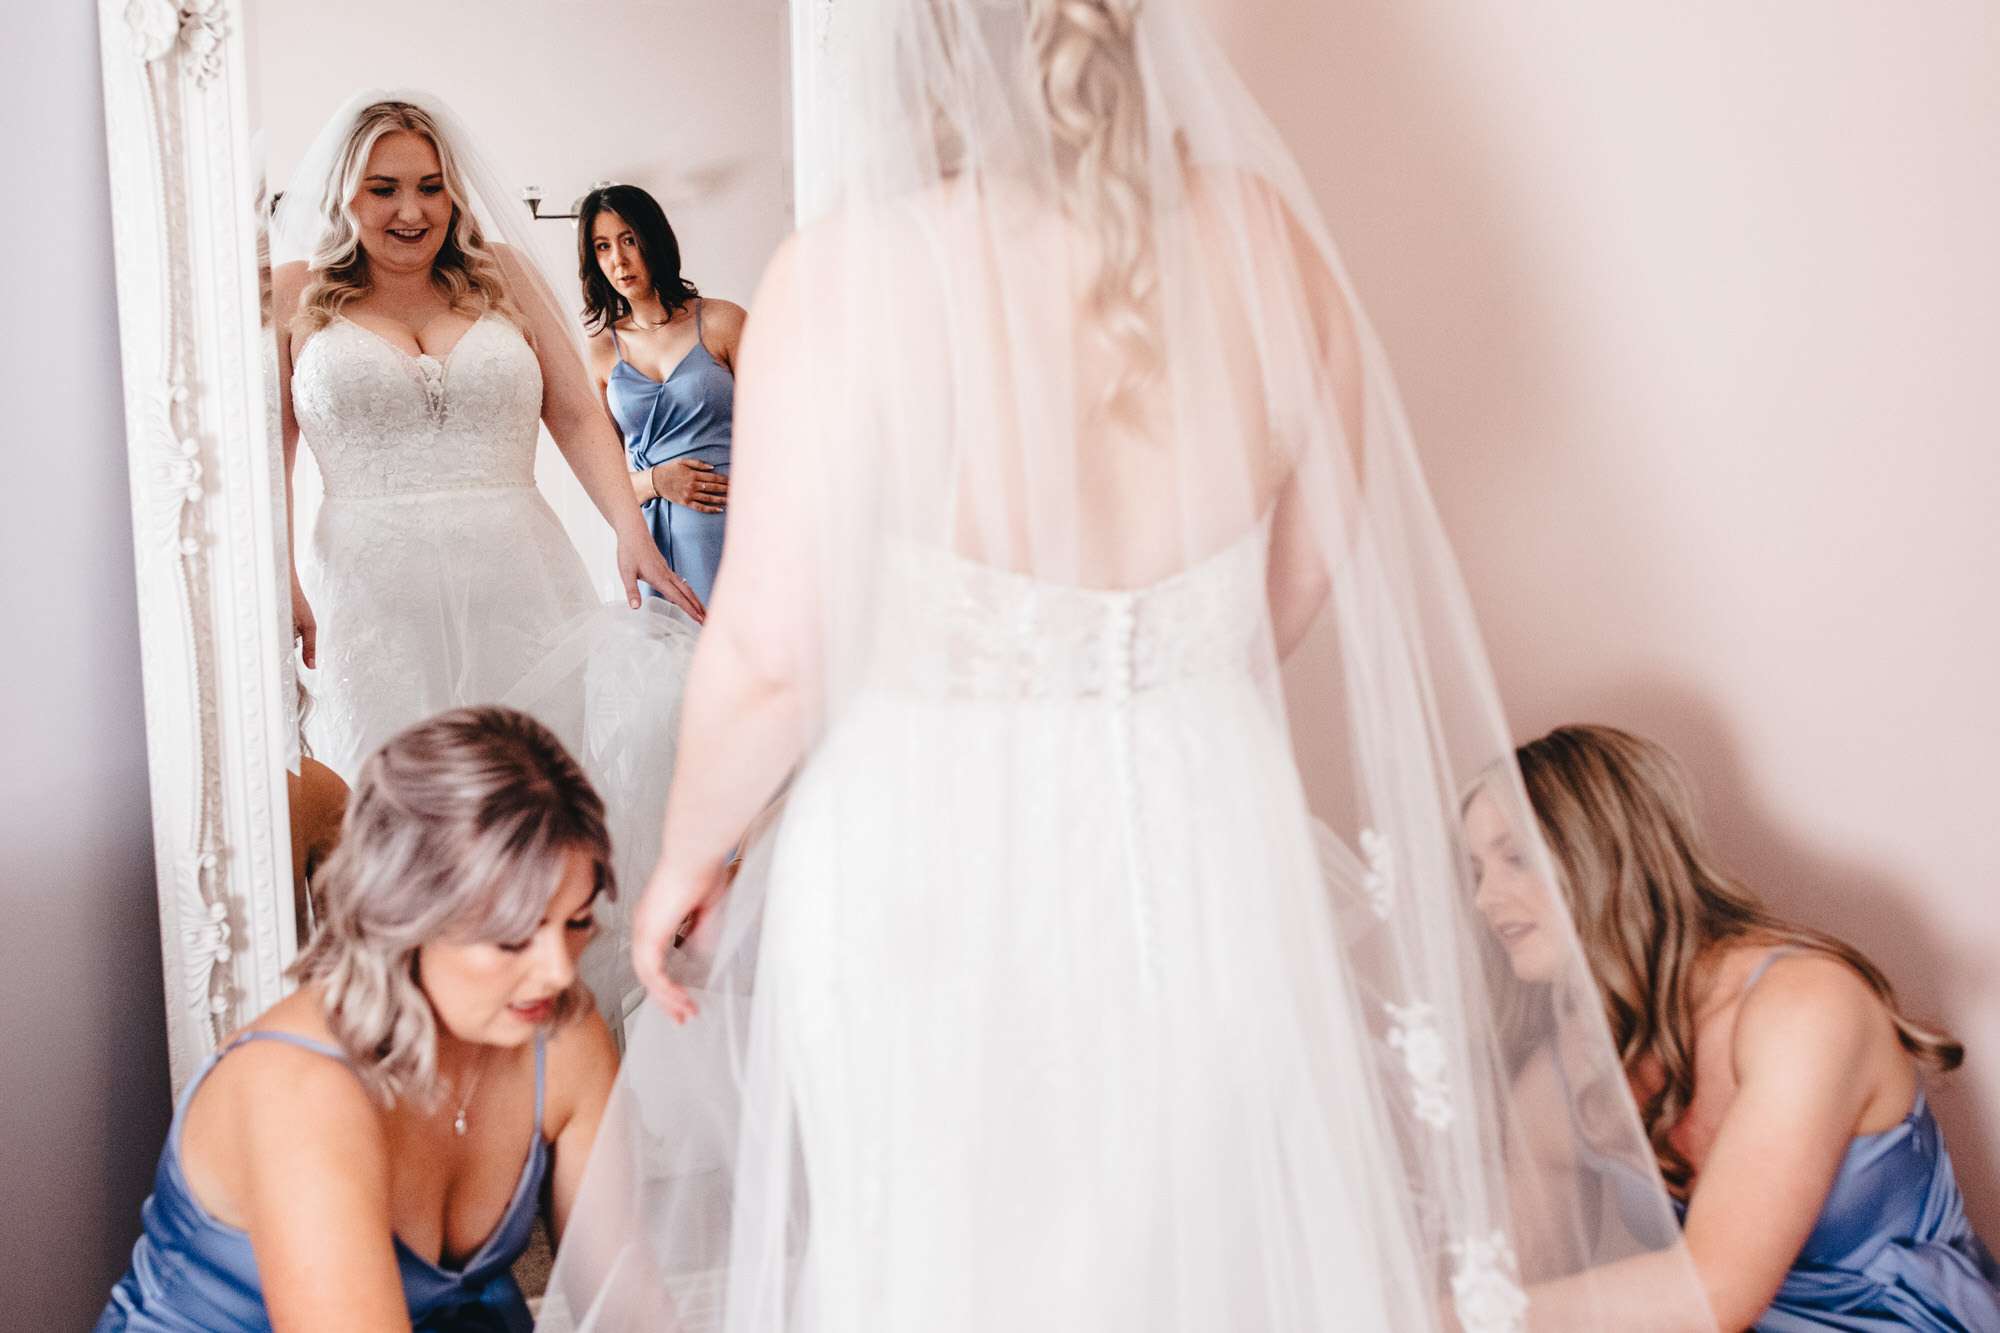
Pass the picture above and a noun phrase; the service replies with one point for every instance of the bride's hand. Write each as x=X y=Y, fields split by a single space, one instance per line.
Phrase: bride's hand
x=304 y=628
x=639 y=559
x=676 y=905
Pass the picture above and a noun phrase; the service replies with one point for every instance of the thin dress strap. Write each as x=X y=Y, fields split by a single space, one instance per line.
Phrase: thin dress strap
x=697 y=321
x=616 y=346
x=241 y=1038
x=1783 y=951
x=541 y=1080
x=289 y=1039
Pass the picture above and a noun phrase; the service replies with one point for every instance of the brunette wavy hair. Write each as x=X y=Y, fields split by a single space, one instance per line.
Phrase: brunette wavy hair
x=1652 y=906
x=459 y=829
x=658 y=246
x=466 y=269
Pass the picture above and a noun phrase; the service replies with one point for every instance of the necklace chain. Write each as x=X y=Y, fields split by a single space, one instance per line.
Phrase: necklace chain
x=458 y=1123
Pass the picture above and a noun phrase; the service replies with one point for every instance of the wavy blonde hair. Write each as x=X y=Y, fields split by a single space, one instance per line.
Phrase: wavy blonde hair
x=460 y=828
x=1086 y=67
x=1651 y=906
x=466 y=269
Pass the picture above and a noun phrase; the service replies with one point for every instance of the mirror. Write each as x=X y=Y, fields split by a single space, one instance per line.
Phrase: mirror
x=205 y=102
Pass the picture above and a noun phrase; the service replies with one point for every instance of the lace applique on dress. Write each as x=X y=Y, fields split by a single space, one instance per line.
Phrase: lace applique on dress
x=436 y=570
x=382 y=422
x=1381 y=878
x=966 y=630
x=972 y=630
x=1415 y=1034
x=1486 y=1290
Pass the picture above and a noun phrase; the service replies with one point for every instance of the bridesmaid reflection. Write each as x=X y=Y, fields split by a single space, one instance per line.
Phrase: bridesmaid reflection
x=665 y=360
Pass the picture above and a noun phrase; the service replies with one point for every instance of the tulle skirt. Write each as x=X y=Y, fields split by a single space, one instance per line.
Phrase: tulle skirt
x=1050 y=1032
x=430 y=600
x=441 y=599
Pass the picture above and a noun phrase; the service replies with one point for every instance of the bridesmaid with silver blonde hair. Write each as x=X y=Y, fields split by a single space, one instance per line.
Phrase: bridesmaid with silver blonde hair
x=370 y=1153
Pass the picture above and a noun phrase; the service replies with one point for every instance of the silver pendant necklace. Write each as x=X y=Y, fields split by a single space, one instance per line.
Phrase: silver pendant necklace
x=458 y=1121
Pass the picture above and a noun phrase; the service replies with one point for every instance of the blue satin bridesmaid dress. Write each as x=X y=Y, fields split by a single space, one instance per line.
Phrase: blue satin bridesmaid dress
x=1892 y=1249
x=193 y=1274
x=690 y=414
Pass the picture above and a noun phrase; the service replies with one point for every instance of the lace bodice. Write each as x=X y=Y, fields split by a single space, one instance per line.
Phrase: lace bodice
x=383 y=422
x=971 y=630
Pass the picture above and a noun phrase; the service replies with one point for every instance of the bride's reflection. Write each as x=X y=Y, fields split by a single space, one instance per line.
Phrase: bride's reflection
x=417 y=355
x=417 y=359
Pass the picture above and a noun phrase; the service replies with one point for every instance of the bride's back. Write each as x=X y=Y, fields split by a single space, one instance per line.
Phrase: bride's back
x=1010 y=417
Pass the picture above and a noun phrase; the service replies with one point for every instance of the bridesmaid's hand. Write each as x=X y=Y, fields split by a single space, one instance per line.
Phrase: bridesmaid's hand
x=693 y=484
x=676 y=905
x=639 y=559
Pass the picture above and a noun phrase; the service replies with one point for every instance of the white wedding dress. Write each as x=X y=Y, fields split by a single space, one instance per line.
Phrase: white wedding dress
x=440 y=577
x=1122 y=1084
x=438 y=572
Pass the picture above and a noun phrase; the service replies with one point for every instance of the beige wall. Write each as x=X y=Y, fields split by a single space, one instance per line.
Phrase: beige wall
x=1697 y=311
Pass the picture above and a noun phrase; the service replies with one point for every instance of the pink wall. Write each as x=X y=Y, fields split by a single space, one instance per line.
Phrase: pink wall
x=1697 y=312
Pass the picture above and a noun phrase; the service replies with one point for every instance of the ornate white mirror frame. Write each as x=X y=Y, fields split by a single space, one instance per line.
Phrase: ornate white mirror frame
x=207 y=498
x=214 y=598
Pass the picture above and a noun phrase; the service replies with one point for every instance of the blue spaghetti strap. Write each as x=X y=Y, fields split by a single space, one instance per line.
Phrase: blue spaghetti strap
x=241 y=1039
x=697 y=321
x=1783 y=951
x=616 y=346
x=541 y=1081
x=289 y=1039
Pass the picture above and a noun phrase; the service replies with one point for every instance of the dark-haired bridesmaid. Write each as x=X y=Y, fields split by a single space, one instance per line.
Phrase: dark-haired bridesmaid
x=665 y=360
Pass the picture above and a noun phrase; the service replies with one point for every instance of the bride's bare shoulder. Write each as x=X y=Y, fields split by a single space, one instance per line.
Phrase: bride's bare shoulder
x=1230 y=200
x=1217 y=189
x=287 y=281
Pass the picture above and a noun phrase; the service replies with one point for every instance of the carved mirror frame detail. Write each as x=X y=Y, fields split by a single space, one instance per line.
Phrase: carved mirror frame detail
x=207 y=509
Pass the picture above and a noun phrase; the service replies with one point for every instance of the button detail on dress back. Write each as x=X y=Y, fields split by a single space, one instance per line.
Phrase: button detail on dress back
x=1120 y=624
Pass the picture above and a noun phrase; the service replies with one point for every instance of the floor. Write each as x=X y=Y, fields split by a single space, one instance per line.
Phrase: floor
x=531 y=1270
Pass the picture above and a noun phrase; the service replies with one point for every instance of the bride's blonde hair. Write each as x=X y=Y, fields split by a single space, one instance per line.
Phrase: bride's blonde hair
x=466 y=268
x=1086 y=66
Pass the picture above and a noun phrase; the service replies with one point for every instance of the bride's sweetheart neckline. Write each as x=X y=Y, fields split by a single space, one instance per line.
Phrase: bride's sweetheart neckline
x=417 y=358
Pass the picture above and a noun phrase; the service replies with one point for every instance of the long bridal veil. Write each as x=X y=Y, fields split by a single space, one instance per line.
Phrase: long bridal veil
x=1050 y=1001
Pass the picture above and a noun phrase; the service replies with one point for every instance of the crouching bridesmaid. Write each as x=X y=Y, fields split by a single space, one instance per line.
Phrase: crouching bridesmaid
x=1775 y=1075
x=370 y=1153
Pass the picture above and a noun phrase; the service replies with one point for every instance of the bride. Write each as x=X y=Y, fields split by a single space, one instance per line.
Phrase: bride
x=417 y=356
x=417 y=359
x=1051 y=1002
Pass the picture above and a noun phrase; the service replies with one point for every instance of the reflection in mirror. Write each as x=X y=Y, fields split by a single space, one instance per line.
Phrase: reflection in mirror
x=489 y=431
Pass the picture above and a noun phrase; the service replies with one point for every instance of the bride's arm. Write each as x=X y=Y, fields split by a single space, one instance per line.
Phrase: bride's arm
x=1320 y=496
x=744 y=718
x=576 y=421
x=287 y=281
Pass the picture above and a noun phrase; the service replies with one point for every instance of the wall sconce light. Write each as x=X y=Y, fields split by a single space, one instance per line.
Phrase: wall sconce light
x=532 y=196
